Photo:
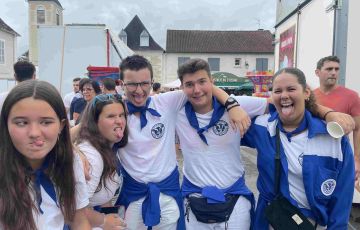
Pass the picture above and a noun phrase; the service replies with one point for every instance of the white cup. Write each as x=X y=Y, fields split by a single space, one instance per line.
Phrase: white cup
x=334 y=129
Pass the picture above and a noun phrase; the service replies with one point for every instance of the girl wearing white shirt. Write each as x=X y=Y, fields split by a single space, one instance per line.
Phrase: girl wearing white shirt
x=102 y=131
x=41 y=185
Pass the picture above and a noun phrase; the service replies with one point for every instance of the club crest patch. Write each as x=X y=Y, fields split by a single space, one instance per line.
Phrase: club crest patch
x=158 y=130
x=220 y=128
x=328 y=187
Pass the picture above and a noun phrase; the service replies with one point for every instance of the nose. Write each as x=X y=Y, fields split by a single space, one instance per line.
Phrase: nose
x=34 y=130
x=196 y=87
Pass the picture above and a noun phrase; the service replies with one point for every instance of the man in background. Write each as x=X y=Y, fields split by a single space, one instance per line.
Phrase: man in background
x=70 y=96
x=23 y=70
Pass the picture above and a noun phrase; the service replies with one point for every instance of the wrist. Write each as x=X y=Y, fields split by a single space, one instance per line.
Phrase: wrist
x=327 y=113
x=230 y=107
x=230 y=102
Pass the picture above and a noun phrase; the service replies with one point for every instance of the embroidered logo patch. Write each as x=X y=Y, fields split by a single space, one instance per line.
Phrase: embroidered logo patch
x=220 y=128
x=158 y=130
x=328 y=187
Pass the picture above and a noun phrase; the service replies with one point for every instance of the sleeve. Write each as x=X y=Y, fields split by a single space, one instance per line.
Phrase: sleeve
x=81 y=194
x=254 y=106
x=340 y=203
x=250 y=137
x=96 y=166
x=67 y=101
x=79 y=105
x=173 y=100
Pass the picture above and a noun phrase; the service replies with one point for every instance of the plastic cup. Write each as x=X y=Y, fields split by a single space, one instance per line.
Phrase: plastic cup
x=334 y=129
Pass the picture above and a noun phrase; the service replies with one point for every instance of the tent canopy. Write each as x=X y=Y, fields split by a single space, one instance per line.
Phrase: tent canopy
x=229 y=80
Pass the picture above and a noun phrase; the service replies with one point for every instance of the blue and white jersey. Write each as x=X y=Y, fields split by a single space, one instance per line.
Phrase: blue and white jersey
x=326 y=172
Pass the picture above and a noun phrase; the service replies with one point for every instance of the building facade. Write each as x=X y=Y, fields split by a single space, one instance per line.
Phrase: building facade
x=8 y=38
x=235 y=52
x=42 y=12
x=137 y=38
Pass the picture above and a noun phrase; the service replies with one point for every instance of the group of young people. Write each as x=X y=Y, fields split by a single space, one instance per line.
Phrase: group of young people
x=124 y=156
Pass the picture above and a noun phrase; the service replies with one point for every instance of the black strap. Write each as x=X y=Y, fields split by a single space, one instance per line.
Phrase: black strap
x=277 y=163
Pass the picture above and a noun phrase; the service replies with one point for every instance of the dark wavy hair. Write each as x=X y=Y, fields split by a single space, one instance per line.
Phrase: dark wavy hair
x=89 y=131
x=135 y=62
x=310 y=104
x=16 y=203
x=193 y=65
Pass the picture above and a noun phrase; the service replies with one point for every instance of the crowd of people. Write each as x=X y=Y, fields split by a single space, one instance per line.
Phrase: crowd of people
x=104 y=159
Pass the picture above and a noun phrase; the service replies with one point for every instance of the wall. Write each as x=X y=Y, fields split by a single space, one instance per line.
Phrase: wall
x=156 y=58
x=227 y=62
x=6 y=69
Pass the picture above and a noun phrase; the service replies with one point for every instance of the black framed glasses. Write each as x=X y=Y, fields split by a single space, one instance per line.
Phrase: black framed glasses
x=132 y=86
x=106 y=97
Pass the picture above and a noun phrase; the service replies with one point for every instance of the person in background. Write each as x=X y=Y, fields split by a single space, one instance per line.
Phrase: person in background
x=70 y=96
x=89 y=89
x=316 y=170
x=109 y=86
x=339 y=98
x=42 y=184
x=102 y=132
x=156 y=89
x=23 y=70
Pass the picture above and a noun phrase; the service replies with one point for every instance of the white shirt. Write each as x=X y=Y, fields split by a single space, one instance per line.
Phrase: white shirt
x=96 y=168
x=67 y=101
x=218 y=163
x=150 y=154
x=52 y=218
x=294 y=152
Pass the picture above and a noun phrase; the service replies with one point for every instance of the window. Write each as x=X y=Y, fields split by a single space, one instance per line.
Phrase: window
x=182 y=60
x=237 y=62
x=2 y=52
x=214 y=64
x=40 y=15
x=144 y=38
x=261 y=64
x=123 y=36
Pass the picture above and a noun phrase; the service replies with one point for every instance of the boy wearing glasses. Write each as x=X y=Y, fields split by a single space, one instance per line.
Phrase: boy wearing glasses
x=151 y=179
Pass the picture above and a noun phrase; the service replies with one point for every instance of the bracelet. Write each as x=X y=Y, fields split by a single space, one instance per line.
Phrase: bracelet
x=228 y=109
x=330 y=111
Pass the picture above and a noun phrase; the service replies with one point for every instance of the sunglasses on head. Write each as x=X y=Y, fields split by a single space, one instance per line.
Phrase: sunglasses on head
x=105 y=97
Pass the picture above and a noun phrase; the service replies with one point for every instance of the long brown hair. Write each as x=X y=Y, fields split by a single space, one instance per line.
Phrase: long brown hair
x=89 y=131
x=16 y=203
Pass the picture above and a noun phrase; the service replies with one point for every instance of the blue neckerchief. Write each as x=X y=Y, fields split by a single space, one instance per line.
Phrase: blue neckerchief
x=42 y=179
x=133 y=109
x=133 y=190
x=191 y=116
x=115 y=148
x=216 y=195
x=302 y=126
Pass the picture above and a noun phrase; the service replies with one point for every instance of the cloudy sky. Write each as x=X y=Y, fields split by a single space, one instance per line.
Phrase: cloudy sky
x=157 y=15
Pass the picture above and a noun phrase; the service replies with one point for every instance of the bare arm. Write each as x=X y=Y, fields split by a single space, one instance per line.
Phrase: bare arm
x=80 y=221
x=345 y=120
x=109 y=221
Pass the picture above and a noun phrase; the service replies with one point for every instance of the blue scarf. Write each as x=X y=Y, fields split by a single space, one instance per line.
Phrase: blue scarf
x=41 y=179
x=142 y=109
x=302 y=126
x=191 y=116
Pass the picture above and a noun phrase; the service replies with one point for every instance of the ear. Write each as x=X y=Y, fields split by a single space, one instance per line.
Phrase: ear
x=121 y=83
x=307 y=92
x=317 y=72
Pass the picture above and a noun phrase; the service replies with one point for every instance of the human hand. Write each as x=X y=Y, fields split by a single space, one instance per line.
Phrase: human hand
x=113 y=221
x=345 y=121
x=239 y=119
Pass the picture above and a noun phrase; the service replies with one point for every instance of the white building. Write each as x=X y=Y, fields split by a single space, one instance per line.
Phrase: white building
x=235 y=52
x=7 y=56
x=308 y=30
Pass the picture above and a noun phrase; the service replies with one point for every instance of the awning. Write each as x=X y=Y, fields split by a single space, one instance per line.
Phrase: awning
x=229 y=80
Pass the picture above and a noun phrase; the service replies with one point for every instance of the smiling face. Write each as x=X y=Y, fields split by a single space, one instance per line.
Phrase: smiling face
x=289 y=97
x=137 y=93
x=198 y=88
x=34 y=128
x=88 y=92
x=112 y=122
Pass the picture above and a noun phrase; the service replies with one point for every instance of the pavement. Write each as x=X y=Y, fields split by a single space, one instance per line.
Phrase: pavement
x=249 y=157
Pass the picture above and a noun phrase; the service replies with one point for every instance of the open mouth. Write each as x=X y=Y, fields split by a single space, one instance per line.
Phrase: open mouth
x=287 y=108
x=38 y=143
x=119 y=132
